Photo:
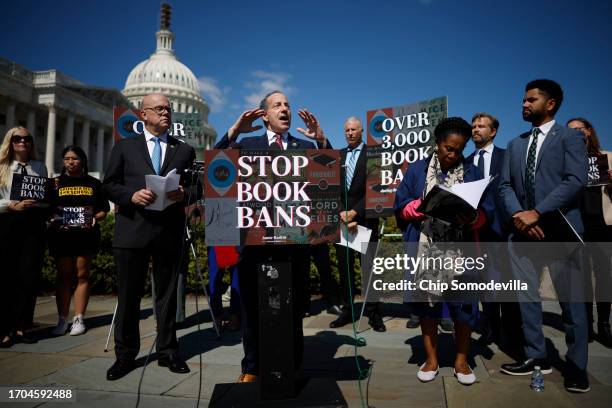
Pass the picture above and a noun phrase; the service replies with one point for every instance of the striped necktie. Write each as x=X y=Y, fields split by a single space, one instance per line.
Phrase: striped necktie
x=350 y=168
x=530 y=169
x=278 y=139
x=156 y=156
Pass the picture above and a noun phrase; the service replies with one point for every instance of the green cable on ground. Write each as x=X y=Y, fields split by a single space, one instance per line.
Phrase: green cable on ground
x=359 y=341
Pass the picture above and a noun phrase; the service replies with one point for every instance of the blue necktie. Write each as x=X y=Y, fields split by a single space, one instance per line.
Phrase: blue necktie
x=481 y=166
x=156 y=157
x=350 y=168
x=530 y=169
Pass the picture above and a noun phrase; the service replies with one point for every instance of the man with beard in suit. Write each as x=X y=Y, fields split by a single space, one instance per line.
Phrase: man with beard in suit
x=542 y=177
x=142 y=234
x=275 y=112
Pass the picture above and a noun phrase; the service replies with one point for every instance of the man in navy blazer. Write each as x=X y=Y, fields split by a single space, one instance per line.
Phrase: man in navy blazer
x=275 y=112
x=544 y=172
x=488 y=158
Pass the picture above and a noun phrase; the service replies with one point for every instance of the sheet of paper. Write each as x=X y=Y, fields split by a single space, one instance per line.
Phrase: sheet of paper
x=355 y=241
x=161 y=185
x=471 y=192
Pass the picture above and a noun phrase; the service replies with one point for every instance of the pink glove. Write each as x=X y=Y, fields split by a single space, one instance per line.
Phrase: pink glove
x=410 y=213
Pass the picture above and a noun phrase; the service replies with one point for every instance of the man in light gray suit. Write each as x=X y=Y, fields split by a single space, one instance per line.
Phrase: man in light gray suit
x=543 y=174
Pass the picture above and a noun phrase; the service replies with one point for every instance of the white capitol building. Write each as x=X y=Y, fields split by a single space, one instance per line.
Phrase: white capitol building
x=59 y=110
x=164 y=73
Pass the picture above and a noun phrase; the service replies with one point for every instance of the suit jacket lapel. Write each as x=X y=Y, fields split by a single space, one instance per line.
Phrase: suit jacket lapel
x=547 y=141
x=171 y=148
x=144 y=151
x=523 y=155
x=263 y=141
x=494 y=162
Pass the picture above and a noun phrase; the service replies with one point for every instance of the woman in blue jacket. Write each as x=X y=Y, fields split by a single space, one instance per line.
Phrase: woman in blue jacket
x=446 y=166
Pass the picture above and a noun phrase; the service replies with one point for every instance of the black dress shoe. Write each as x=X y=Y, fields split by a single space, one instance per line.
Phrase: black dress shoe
x=174 y=363
x=376 y=322
x=25 y=338
x=577 y=381
x=335 y=310
x=9 y=342
x=120 y=369
x=413 y=322
x=342 y=320
x=526 y=367
x=603 y=334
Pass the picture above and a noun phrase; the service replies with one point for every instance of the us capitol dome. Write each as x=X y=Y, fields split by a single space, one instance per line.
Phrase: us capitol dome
x=164 y=73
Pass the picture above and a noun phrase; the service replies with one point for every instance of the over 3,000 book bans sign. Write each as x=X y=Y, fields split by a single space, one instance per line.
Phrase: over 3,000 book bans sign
x=397 y=137
x=261 y=197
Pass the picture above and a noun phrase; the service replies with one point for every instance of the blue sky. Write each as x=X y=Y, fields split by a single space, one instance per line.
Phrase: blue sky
x=338 y=57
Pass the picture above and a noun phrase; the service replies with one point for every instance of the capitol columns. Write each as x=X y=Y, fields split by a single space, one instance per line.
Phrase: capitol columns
x=31 y=122
x=69 y=131
x=85 y=137
x=50 y=148
x=100 y=150
x=10 y=115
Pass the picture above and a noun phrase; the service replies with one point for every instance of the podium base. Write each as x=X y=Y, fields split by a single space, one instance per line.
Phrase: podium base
x=311 y=393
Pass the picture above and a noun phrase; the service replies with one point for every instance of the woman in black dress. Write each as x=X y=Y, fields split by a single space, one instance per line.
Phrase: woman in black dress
x=75 y=235
x=22 y=234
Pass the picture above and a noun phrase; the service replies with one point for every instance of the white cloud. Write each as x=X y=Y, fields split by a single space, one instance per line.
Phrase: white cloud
x=212 y=92
x=263 y=82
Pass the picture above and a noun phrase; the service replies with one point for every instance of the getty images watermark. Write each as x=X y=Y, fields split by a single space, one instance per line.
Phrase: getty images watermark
x=488 y=271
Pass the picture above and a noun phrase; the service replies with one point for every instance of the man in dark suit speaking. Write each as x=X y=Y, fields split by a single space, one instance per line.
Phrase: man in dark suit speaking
x=544 y=172
x=141 y=233
x=275 y=112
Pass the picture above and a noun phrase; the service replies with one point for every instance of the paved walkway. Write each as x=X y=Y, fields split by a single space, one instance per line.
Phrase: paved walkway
x=81 y=362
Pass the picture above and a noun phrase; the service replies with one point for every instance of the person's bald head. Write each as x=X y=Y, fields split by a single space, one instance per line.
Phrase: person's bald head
x=156 y=113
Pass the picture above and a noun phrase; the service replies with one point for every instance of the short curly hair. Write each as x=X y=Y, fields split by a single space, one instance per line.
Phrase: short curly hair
x=452 y=125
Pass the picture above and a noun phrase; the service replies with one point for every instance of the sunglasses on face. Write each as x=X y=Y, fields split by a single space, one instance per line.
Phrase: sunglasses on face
x=24 y=139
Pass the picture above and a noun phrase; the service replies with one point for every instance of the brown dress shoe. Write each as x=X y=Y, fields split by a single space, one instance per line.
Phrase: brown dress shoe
x=246 y=378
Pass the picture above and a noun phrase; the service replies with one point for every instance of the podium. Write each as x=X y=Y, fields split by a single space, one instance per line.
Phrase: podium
x=278 y=385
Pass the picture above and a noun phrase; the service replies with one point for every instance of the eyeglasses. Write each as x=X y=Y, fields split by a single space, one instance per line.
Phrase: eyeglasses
x=580 y=129
x=72 y=158
x=24 y=139
x=160 y=109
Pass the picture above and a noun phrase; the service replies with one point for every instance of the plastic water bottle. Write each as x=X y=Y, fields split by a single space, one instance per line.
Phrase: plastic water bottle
x=537 y=380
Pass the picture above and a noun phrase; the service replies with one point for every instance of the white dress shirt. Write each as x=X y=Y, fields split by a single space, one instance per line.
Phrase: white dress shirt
x=272 y=138
x=544 y=129
x=163 y=142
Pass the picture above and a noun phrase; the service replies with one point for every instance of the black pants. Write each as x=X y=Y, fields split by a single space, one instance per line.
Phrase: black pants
x=132 y=266
x=299 y=256
x=23 y=241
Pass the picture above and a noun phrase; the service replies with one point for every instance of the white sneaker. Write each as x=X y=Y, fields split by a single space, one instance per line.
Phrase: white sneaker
x=466 y=379
x=78 y=327
x=60 y=329
x=427 y=376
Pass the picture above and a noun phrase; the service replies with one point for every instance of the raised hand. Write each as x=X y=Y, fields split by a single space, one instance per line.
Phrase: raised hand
x=313 y=129
x=244 y=123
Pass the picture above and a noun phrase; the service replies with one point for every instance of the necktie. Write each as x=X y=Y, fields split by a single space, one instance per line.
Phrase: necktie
x=530 y=169
x=22 y=169
x=156 y=156
x=350 y=168
x=481 y=166
x=278 y=139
